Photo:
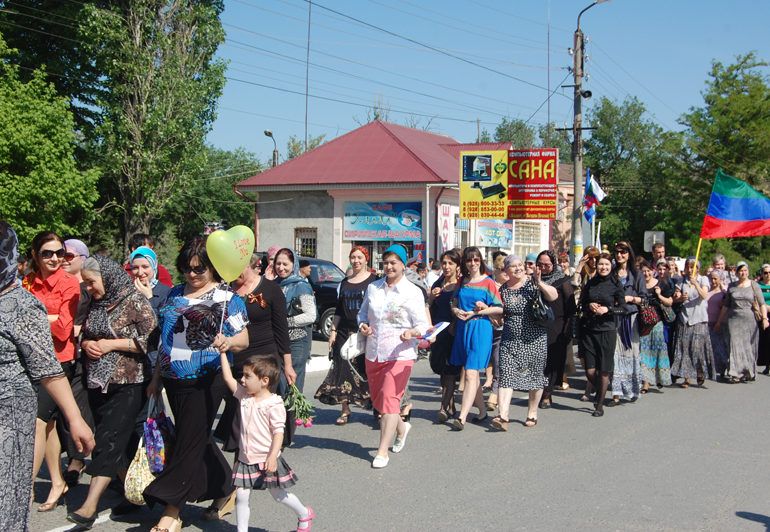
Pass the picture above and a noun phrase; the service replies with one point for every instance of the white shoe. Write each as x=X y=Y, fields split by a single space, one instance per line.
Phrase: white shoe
x=380 y=461
x=398 y=445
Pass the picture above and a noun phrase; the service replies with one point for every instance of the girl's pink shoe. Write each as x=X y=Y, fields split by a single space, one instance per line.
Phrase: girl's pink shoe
x=308 y=520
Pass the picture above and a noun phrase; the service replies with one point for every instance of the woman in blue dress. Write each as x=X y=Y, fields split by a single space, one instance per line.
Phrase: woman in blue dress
x=476 y=300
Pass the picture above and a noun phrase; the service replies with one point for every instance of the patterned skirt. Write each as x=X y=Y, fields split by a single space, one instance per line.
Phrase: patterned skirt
x=254 y=476
x=627 y=376
x=653 y=351
x=692 y=352
x=342 y=384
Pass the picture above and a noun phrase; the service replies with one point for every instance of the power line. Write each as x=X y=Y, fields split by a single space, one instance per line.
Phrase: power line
x=549 y=97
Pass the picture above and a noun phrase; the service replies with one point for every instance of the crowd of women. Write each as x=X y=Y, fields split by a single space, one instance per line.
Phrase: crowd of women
x=119 y=335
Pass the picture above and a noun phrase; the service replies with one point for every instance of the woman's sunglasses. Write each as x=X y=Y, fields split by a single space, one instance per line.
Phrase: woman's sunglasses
x=69 y=256
x=48 y=253
x=198 y=270
x=473 y=259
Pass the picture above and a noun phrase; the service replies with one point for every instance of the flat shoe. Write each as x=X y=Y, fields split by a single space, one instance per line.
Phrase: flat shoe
x=84 y=522
x=491 y=406
x=380 y=461
x=308 y=520
x=72 y=476
x=442 y=416
x=545 y=406
x=598 y=413
x=398 y=445
x=500 y=424
x=457 y=424
x=478 y=420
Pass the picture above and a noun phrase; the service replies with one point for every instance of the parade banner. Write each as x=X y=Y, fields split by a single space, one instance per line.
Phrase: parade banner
x=382 y=221
x=483 y=184
x=532 y=184
x=494 y=233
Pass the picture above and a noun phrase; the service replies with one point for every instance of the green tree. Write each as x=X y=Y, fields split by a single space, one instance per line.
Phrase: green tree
x=161 y=81
x=296 y=146
x=550 y=138
x=515 y=131
x=485 y=136
x=41 y=187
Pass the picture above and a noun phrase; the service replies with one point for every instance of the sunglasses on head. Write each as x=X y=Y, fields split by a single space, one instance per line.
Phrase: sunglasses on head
x=198 y=270
x=48 y=253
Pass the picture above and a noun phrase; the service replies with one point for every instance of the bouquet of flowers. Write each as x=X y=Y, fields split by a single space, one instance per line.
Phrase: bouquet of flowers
x=297 y=404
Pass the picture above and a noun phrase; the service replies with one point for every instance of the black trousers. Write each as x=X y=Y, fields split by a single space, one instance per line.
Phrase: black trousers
x=114 y=416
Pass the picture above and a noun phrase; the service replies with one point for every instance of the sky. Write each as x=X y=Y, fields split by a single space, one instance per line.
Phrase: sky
x=443 y=65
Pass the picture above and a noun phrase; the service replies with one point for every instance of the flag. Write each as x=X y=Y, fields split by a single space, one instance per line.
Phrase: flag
x=735 y=209
x=594 y=195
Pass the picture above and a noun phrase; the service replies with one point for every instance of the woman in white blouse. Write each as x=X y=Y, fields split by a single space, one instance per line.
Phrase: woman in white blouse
x=392 y=317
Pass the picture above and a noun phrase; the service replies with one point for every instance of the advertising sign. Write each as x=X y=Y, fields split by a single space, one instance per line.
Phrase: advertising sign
x=483 y=184
x=532 y=184
x=382 y=221
x=446 y=226
x=494 y=233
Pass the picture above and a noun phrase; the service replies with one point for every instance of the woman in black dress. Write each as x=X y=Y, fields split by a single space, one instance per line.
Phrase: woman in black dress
x=342 y=385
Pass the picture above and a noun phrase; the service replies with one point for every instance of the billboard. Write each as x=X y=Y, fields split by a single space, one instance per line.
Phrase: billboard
x=494 y=233
x=509 y=185
x=382 y=221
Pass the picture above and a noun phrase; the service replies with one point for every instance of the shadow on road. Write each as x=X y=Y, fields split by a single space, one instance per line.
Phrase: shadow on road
x=346 y=447
x=757 y=518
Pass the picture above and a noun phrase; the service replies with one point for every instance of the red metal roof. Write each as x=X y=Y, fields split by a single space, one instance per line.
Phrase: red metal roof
x=378 y=152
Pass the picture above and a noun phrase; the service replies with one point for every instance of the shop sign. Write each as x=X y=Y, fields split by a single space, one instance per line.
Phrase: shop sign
x=494 y=233
x=382 y=221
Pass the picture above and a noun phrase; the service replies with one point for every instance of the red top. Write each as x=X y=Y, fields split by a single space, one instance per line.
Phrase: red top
x=60 y=294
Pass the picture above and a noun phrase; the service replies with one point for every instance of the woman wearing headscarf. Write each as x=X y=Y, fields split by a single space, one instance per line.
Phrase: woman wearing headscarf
x=627 y=377
x=476 y=300
x=59 y=292
x=300 y=309
x=585 y=271
x=560 y=328
x=189 y=364
x=601 y=300
x=524 y=345
x=742 y=327
x=114 y=340
x=144 y=268
x=342 y=385
x=392 y=317
x=440 y=303
x=693 y=355
x=26 y=358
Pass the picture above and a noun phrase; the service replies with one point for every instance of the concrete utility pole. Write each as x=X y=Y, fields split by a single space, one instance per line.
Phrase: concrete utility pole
x=577 y=141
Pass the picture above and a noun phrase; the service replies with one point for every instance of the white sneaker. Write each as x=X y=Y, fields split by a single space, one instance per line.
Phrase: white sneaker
x=398 y=445
x=380 y=461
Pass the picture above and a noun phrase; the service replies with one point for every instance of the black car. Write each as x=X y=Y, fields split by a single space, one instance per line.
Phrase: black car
x=325 y=278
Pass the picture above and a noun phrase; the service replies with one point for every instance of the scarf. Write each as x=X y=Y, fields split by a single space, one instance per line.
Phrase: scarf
x=146 y=253
x=556 y=272
x=9 y=255
x=117 y=286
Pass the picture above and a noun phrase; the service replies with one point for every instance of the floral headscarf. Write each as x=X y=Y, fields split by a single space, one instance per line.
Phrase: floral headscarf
x=117 y=285
x=9 y=255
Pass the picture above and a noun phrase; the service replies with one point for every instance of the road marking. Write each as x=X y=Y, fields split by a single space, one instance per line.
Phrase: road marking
x=99 y=520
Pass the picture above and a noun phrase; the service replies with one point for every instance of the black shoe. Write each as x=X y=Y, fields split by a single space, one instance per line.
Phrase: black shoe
x=766 y=371
x=545 y=405
x=598 y=413
x=124 y=508
x=85 y=522
x=72 y=477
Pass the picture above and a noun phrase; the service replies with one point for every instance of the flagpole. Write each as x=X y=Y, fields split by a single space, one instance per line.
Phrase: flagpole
x=697 y=255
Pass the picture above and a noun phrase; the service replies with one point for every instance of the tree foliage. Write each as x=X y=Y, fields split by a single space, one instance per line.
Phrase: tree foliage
x=296 y=146
x=41 y=187
x=161 y=80
x=515 y=131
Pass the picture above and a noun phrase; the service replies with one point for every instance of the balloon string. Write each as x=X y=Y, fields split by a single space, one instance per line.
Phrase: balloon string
x=224 y=307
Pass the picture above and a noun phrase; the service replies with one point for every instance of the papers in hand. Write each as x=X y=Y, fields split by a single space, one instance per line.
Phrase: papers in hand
x=434 y=331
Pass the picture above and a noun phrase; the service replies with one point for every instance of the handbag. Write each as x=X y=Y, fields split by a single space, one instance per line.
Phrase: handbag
x=648 y=317
x=354 y=346
x=667 y=314
x=295 y=307
x=159 y=436
x=138 y=476
x=542 y=314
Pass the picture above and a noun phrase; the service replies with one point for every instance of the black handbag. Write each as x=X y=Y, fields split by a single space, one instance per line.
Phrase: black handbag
x=295 y=307
x=542 y=314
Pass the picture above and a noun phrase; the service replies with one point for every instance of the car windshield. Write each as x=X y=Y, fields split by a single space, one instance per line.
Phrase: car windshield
x=326 y=273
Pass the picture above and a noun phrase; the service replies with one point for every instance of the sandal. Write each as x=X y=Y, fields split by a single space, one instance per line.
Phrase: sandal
x=457 y=424
x=530 y=422
x=500 y=423
x=343 y=419
x=48 y=506
x=308 y=520
x=491 y=405
x=442 y=416
x=684 y=385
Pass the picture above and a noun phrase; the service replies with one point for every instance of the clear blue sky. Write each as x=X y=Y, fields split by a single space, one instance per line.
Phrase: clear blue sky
x=659 y=51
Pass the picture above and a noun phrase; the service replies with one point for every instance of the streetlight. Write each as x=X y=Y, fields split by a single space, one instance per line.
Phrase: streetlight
x=577 y=144
x=269 y=133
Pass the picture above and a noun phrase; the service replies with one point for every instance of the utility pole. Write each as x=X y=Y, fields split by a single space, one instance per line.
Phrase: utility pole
x=577 y=140
x=478 y=130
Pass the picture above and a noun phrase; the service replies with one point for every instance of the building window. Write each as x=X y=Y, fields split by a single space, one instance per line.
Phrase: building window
x=526 y=237
x=306 y=241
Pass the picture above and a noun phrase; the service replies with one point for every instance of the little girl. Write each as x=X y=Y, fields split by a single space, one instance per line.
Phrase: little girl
x=259 y=464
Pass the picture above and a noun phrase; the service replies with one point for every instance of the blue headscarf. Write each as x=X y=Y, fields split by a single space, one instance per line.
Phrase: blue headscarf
x=9 y=255
x=147 y=253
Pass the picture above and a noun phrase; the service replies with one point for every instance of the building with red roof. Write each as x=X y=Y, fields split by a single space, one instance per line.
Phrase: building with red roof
x=376 y=185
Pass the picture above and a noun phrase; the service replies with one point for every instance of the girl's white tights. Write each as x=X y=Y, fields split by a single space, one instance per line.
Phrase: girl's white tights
x=279 y=494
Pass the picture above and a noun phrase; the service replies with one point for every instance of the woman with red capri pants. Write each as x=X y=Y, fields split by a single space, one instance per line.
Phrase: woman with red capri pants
x=392 y=317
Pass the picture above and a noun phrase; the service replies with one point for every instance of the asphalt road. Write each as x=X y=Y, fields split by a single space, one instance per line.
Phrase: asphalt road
x=692 y=459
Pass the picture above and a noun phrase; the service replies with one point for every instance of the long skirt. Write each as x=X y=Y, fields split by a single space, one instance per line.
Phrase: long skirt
x=627 y=375
x=17 y=434
x=197 y=470
x=342 y=384
x=719 y=348
x=742 y=343
x=692 y=352
x=653 y=353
